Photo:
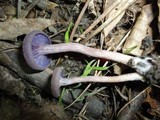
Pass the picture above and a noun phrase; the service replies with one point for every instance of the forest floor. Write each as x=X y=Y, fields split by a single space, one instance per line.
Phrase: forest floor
x=129 y=27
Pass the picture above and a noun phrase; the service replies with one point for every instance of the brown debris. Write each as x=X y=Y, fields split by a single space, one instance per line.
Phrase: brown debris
x=16 y=27
x=139 y=31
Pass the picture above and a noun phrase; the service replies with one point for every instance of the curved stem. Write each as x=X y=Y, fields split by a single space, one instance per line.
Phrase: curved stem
x=79 y=48
x=102 y=79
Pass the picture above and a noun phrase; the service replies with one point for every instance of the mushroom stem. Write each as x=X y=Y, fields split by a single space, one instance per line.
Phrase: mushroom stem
x=58 y=80
x=101 y=79
x=79 y=48
x=141 y=65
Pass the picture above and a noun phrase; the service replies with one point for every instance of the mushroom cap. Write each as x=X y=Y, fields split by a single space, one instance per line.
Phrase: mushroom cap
x=31 y=43
x=55 y=81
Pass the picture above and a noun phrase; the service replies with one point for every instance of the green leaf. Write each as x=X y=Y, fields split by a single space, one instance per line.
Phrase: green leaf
x=102 y=68
x=61 y=96
x=88 y=68
x=67 y=40
x=92 y=66
x=99 y=68
x=129 y=50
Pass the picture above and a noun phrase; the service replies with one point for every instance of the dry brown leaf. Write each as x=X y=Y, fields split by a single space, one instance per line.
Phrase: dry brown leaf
x=16 y=27
x=9 y=10
x=47 y=5
x=152 y=102
x=139 y=31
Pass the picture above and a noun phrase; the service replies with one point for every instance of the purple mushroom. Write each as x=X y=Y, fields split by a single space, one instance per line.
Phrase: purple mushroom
x=37 y=46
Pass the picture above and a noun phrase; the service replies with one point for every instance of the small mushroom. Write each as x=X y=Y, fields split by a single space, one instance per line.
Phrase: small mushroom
x=58 y=80
x=37 y=46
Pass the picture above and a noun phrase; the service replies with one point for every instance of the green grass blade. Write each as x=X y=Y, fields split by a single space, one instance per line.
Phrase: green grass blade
x=61 y=96
x=88 y=68
x=67 y=40
x=129 y=50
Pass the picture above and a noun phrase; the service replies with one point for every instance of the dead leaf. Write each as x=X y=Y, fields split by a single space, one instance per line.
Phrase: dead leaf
x=9 y=10
x=16 y=27
x=139 y=31
x=47 y=5
x=152 y=102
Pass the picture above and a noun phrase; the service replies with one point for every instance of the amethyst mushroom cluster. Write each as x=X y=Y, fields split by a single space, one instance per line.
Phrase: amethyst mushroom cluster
x=37 y=47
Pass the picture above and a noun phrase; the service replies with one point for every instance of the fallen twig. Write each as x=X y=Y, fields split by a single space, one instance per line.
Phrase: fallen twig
x=78 y=20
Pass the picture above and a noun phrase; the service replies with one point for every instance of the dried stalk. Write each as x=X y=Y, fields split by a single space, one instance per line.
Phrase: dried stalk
x=9 y=59
x=101 y=17
x=114 y=14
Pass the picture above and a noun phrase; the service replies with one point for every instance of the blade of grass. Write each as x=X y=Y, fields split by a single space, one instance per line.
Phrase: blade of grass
x=129 y=50
x=88 y=68
x=61 y=96
x=67 y=40
x=87 y=71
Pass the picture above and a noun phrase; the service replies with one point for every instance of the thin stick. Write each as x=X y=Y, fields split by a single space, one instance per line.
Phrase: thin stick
x=122 y=41
x=78 y=97
x=79 y=19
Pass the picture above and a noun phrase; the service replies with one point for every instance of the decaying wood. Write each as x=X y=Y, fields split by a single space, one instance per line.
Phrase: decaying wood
x=139 y=31
x=10 y=84
x=7 y=47
x=16 y=27
x=14 y=60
